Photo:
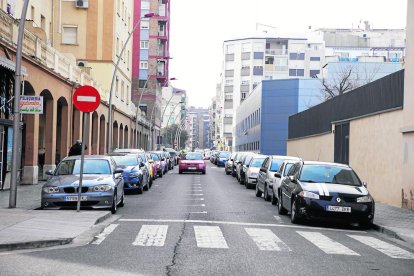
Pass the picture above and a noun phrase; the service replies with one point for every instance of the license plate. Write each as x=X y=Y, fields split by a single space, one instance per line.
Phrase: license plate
x=75 y=198
x=192 y=168
x=341 y=209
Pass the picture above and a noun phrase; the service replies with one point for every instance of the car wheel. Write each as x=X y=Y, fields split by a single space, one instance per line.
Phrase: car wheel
x=146 y=187
x=122 y=203
x=161 y=174
x=294 y=214
x=258 y=192
x=140 y=190
x=150 y=181
x=204 y=172
x=266 y=196
x=273 y=200
x=180 y=171
x=280 y=209
x=366 y=224
x=114 y=205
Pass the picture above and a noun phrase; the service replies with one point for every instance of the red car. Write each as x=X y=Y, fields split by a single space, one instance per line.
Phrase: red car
x=193 y=162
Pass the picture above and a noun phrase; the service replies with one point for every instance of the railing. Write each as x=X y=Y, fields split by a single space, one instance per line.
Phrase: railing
x=276 y=52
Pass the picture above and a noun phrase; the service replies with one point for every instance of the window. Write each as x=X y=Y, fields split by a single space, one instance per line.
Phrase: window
x=127 y=94
x=70 y=35
x=315 y=58
x=296 y=72
x=269 y=60
x=144 y=44
x=118 y=5
x=32 y=13
x=143 y=65
x=122 y=91
x=296 y=56
x=314 y=72
x=127 y=61
x=43 y=22
x=246 y=47
x=123 y=10
x=143 y=83
x=145 y=24
x=117 y=45
x=229 y=81
x=229 y=49
x=116 y=87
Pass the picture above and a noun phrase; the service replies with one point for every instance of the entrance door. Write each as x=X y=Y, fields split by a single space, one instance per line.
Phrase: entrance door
x=342 y=143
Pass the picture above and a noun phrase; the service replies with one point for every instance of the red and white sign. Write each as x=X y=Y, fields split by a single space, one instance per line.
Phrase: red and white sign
x=86 y=98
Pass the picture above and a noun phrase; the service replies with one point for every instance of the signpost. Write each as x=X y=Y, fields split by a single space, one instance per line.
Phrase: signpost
x=86 y=99
x=31 y=104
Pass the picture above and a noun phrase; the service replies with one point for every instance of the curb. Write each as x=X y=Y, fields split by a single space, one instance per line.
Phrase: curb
x=102 y=218
x=34 y=244
x=388 y=232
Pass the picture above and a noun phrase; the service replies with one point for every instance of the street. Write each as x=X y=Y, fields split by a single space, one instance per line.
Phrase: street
x=209 y=224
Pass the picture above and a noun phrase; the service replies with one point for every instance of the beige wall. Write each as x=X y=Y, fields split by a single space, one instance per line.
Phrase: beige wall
x=407 y=148
x=374 y=154
x=319 y=147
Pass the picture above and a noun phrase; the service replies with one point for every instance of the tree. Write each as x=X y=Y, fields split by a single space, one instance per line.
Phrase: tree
x=169 y=136
x=349 y=77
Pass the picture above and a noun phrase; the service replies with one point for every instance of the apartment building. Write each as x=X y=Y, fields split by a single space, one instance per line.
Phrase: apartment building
x=248 y=61
x=173 y=106
x=151 y=58
x=197 y=128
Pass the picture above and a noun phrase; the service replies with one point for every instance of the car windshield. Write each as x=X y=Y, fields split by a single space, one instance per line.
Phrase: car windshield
x=276 y=165
x=155 y=157
x=143 y=157
x=91 y=166
x=224 y=154
x=257 y=162
x=125 y=160
x=194 y=156
x=329 y=174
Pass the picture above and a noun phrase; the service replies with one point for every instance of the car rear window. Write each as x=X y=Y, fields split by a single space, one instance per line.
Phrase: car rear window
x=194 y=156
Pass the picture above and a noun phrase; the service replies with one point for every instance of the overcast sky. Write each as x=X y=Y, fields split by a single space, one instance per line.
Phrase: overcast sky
x=198 y=29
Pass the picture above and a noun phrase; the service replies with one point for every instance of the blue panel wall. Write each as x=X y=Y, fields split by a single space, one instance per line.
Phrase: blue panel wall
x=143 y=74
x=309 y=93
x=279 y=101
x=144 y=54
x=144 y=34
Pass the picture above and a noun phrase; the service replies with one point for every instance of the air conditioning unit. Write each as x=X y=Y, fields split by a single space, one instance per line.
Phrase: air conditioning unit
x=82 y=63
x=83 y=4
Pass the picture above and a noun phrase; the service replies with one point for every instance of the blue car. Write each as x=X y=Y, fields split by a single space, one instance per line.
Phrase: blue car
x=222 y=158
x=135 y=173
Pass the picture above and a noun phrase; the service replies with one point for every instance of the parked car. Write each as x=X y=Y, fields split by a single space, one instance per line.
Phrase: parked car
x=252 y=170
x=222 y=158
x=267 y=174
x=144 y=157
x=164 y=160
x=193 y=162
x=228 y=168
x=239 y=165
x=320 y=190
x=173 y=155
x=213 y=156
x=236 y=161
x=279 y=175
x=245 y=164
x=151 y=166
x=102 y=185
x=135 y=173
x=159 y=165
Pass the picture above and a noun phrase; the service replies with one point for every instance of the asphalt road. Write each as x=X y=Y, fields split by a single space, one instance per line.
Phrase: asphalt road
x=210 y=225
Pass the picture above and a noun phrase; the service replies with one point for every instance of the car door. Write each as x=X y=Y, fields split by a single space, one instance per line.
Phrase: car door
x=262 y=174
x=291 y=185
x=118 y=180
x=285 y=186
x=278 y=180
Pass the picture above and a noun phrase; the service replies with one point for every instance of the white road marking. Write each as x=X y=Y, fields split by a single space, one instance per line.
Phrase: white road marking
x=209 y=237
x=201 y=205
x=326 y=244
x=202 y=212
x=277 y=218
x=384 y=247
x=197 y=198
x=239 y=223
x=151 y=235
x=266 y=240
x=194 y=194
x=102 y=236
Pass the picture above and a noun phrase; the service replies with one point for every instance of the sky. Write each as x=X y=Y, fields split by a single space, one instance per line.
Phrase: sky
x=198 y=29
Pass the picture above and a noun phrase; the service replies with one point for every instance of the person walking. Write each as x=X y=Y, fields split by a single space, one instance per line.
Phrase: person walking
x=76 y=149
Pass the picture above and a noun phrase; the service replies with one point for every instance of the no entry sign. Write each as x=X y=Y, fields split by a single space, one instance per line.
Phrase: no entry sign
x=86 y=98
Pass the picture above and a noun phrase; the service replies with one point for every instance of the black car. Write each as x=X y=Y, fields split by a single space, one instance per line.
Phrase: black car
x=319 y=190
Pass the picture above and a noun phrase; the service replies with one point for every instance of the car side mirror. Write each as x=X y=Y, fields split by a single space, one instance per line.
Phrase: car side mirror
x=162 y=159
x=365 y=184
x=118 y=171
x=49 y=172
x=141 y=164
x=278 y=175
x=292 y=178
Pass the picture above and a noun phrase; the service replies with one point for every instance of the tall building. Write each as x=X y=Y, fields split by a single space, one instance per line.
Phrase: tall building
x=196 y=128
x=173 y=106
x=248 y=61
x=151 y=57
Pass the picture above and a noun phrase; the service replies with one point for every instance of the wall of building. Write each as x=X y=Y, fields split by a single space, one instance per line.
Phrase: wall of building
x=318 y=147
x=372 y=154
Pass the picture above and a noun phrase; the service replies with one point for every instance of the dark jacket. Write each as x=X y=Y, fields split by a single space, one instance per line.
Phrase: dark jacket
x=76 y=149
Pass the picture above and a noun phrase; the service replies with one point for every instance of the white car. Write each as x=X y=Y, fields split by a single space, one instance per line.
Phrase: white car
x=252 y=171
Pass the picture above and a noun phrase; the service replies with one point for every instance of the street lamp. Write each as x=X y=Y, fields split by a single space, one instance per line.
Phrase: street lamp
x=172 y=111
x=110 y=119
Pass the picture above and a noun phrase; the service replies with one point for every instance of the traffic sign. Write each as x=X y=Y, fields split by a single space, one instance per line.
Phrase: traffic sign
x=86 y=98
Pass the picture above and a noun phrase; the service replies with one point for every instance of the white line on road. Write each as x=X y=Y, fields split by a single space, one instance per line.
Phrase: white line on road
x=201 y=205
x=202 y=212
x=151 y=235
x=209 y=237
x=194 y=194
x=277 y=218
x=326 y=244
x=102 y=236
x=266 y=240
x=196 y=198
x=384 y=247
x=239 y=223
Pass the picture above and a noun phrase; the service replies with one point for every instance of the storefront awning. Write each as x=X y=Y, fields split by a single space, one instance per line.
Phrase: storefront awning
x=11 y=65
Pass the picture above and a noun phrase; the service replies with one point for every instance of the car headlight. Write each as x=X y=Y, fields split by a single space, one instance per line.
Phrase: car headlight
x=102 y=188
x=309 y=195
x=133 y=175
x=366 y=198
x=51 y=190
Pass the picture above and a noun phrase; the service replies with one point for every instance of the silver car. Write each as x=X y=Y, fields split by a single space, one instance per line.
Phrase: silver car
x=279 y=175
x=252 y=171
x=102 y=184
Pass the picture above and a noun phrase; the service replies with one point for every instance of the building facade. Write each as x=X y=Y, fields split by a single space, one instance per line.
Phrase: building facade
x=151 y=59
x=262 y=124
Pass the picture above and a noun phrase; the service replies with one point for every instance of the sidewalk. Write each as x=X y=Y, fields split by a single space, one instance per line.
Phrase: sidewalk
x=25 y=228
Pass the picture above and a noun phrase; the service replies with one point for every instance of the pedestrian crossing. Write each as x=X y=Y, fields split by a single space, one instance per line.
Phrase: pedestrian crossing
x=212 y=237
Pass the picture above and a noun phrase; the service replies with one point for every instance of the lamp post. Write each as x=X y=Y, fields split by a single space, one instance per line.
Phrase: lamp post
x=110 y=119
x=178 y=132
x=16 y=109
x=172 y=111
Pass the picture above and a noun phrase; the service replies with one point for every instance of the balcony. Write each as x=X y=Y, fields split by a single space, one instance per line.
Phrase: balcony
x=276 y=52
x=245 y=55
x=245 y=71
x=228 y=88
x=229 y=73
